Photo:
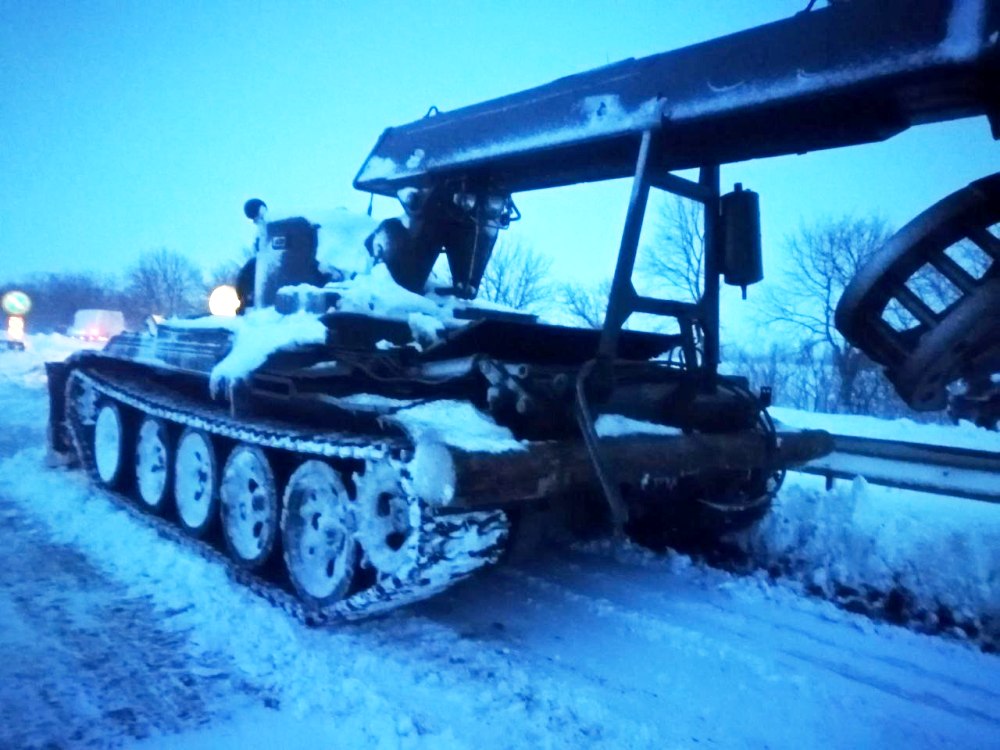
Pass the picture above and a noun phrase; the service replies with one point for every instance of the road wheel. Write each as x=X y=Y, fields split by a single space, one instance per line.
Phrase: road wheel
x=249 y=506
x=153 y=464
x=317 y=526
x=196 y=482
x=110 y=445
x=389 y=521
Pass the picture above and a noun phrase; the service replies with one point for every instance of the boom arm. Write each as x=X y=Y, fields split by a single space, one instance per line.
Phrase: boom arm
x=851 y=73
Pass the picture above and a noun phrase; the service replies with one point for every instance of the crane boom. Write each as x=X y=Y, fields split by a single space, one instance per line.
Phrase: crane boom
x=850 y=73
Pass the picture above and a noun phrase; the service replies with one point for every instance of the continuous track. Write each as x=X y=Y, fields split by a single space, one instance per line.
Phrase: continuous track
x=449 y=547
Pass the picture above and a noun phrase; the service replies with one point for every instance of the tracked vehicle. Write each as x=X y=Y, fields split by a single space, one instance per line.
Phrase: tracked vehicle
x=352 y=444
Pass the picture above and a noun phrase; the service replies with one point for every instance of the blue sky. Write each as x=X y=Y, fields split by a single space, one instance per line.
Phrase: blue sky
x=128 y=126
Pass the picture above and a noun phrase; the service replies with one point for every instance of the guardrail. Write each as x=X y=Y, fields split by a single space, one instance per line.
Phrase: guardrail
x=942 y=470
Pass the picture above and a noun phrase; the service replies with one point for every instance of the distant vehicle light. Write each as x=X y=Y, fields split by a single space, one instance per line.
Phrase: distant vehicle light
x=15 y=328
x=224 y=301
x=97 y=325
x=16 y=303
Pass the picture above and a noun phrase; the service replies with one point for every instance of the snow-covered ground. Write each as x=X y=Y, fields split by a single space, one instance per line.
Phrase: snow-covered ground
x=27 y=367
x=590 y=648
x=941 y=554
x=113 y=636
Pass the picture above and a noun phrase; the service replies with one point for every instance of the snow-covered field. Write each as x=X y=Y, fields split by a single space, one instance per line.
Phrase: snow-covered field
x=113 y=636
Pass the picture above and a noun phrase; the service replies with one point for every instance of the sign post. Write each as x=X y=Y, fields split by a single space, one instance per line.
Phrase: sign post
x=16 y=304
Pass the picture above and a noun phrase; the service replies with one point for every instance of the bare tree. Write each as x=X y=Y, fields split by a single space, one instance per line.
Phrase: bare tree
x=823 y=259
x=517 y=276
x=586 y=305
x=676 y=256
x=165 y=282
x=804 y=377
x=56 y=297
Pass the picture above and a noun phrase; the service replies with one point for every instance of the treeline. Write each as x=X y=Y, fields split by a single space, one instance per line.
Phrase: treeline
x=808 y=379
x=161 y=282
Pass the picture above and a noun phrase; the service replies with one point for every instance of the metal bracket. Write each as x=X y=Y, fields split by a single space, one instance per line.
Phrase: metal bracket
x=605 y=474
x=623 y=300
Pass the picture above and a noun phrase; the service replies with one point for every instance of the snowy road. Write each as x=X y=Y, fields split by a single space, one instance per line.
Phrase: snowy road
x=704 y=658
x=83 y=659
x=113 y=636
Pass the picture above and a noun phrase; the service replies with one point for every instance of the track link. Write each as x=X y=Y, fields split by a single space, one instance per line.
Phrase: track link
x=448 y=548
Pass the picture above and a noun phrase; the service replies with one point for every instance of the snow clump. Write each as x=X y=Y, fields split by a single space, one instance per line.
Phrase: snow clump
x=256 y=336
x=944 y=551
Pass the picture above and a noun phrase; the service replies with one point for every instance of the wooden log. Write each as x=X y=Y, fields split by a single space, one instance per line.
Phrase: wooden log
x=546 y=468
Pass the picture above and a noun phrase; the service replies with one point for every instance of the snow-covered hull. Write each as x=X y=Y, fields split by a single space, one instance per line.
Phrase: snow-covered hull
x=345 y=477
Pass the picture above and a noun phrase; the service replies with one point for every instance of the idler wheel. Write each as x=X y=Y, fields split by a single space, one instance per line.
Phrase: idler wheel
x=152 y=464
x=109 y=445
x=196 y=482
x=249 y=506
x=317 y=527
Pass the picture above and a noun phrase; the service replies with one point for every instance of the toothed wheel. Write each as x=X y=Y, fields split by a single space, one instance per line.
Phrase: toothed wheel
x=389 y=520
x=152 y=464
x=109 y=444
x=196 y=482
x=249 y=506
x=317 y=528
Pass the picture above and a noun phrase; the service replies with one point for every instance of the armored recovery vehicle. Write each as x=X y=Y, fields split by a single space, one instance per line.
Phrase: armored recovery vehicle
x=350 y=445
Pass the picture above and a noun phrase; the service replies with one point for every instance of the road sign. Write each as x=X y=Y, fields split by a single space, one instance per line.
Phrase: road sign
x=16 y=303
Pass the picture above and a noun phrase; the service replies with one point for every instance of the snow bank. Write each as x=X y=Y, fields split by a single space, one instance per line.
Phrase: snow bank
x=964 y=435
x=945 y=551
x=27 y=367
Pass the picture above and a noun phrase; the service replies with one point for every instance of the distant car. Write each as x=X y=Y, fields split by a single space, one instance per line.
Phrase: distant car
x=97 y=325
x=8 y=344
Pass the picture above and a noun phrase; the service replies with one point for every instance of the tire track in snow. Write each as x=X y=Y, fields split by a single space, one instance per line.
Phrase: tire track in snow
x=630 y=583
x=891 y=675
x=694 y=632
x=85 y=664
